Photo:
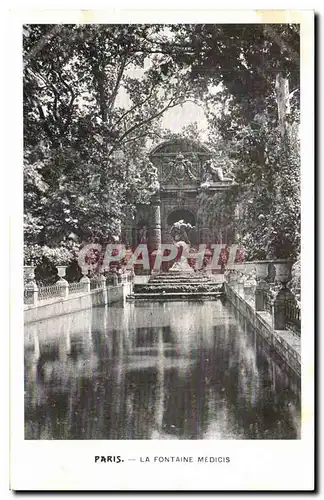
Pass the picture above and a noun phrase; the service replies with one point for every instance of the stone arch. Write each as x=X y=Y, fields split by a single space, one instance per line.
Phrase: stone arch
x=187 y=216
x=181 y=214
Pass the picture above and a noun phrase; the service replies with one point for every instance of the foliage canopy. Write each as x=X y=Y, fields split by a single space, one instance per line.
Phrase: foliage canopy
x=94 y=96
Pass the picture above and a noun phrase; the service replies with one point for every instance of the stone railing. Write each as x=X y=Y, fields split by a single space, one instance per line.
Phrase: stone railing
x=37 y=295
x=97 y=282
x=293 y=315
x=34 y=294
x=77 y=287
x=268 y=292
x=49 y=292
x=267 y=300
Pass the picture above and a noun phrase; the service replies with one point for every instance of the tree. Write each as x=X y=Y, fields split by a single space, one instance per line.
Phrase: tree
x=264 y=202
x=254 y=119
x=95 y=94
x=86 y=146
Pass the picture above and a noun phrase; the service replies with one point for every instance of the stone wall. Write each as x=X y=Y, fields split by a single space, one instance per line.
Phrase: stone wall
x=284 y=342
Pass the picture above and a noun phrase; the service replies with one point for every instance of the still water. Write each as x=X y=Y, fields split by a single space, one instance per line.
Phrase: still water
x=176 y=370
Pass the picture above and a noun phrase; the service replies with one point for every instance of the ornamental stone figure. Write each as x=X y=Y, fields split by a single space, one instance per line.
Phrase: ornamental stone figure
x=180 y=168
x=214 y=174
x=182 y=264
x=142 y=234
x=180 y=231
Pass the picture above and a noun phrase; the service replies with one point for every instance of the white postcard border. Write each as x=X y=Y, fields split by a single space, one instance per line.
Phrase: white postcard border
x=254 y=465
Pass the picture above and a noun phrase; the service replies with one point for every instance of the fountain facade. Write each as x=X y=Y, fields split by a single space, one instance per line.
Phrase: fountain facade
x=185 y=170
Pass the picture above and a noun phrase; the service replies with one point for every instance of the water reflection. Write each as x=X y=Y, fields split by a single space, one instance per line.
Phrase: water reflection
x=156 y=371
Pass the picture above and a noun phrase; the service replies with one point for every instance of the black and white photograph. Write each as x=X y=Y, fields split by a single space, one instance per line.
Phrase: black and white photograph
x=162 y=236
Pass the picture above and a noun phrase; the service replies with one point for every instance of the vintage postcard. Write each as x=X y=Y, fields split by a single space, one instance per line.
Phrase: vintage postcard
x=162 y=319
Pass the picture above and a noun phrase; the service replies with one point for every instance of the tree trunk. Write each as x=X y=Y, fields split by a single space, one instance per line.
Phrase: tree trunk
x=282 y=93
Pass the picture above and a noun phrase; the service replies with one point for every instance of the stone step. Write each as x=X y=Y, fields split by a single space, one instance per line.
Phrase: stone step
x=182 y=283
x=178 y=284
x=166 y=296
x=149 y=290
x=150 y=286
x=179 y=275
x=177 y=280
x=188 y=277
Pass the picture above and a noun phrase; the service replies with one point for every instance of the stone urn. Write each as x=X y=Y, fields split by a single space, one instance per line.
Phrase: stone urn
x=84 y=271
x=283 y=270
x=61 y=271
x=29 y=273
x=261 y=268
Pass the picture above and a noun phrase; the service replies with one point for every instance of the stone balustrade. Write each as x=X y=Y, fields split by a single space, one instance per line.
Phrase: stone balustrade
x=63 y=297
x=268 y=291
x=33 y=294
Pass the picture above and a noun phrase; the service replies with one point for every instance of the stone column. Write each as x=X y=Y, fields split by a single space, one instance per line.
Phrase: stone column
x=259 y=295
x=261 y=287
x=104 y=291
x=86 y=283
x=236 y=232
x=64 y=287
x=31 y=288
x=155 y=223
x=240 y=285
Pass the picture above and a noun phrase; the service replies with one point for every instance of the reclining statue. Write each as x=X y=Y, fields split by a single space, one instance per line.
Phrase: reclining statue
x=214 y=174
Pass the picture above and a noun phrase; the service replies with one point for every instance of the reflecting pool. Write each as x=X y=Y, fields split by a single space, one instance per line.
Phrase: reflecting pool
x=173 y=370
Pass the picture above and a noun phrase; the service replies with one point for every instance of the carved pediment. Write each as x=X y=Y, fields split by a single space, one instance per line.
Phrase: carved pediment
x=179 y=162
x=180 y=169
